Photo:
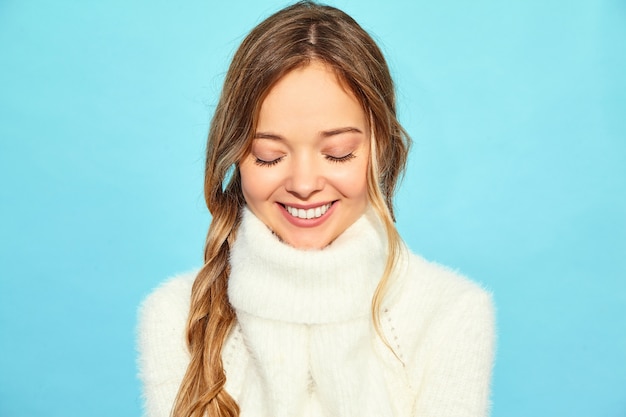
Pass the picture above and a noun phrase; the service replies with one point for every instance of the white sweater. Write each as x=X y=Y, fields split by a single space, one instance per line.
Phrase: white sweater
x=304 y=343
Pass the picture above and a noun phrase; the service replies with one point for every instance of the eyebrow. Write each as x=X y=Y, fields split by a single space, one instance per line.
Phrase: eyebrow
x=324 y=134
x=334 y=132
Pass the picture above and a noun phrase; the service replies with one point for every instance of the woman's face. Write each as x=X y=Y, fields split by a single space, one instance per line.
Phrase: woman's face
x=305 y=176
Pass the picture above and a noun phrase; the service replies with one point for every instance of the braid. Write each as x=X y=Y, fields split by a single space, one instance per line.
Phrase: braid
x=210 y=320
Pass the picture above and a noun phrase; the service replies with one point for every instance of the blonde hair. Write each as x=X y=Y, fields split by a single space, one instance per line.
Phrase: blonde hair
x=291 y=38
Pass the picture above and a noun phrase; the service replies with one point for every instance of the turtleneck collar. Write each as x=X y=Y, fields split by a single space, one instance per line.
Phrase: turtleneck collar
x=273 y=280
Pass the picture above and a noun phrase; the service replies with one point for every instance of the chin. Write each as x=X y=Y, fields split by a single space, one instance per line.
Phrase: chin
x=308 y=245
x=308 y=242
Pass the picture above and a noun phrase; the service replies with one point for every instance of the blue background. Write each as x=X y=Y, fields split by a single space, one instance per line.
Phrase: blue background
x=517 y=178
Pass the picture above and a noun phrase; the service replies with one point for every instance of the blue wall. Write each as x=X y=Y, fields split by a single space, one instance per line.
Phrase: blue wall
x=517 y=178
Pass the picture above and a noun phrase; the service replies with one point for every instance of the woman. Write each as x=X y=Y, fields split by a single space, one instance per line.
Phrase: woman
x=308 y=303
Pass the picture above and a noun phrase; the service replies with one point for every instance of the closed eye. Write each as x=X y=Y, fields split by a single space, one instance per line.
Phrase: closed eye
x=344 y=158
x=263 y=163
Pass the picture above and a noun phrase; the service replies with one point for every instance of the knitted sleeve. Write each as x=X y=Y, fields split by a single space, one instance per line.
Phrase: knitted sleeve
x=460 y=361
x=446 y=335
x=163 y=355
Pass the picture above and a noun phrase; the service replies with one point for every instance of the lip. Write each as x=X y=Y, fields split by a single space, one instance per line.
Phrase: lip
x=296 y=221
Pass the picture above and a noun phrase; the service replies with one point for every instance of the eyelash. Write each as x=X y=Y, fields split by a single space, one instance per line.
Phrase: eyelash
x=344 y=158
x=331 y=158
x=263 y=163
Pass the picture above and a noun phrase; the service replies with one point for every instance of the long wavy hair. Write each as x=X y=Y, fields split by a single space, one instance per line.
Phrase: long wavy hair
x=291 y=38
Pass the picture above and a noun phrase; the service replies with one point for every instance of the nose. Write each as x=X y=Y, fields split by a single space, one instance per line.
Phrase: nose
x=305 y=178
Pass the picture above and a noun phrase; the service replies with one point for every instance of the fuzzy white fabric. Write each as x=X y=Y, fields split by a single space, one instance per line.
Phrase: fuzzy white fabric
x=304 y=343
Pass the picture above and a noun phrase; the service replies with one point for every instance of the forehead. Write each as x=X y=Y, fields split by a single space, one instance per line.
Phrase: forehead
x=311 y=97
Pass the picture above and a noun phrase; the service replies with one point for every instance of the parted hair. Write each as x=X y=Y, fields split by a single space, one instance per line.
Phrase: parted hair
x=291 y=38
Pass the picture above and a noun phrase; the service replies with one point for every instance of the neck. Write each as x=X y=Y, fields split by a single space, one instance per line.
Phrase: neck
x=273 y=280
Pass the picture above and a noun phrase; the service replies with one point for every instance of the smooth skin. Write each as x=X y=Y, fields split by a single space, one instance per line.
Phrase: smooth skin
x=306 y=174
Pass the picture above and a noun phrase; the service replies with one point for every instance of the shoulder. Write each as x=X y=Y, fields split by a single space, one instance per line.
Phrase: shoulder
x=162 y=350
x=429 y=286
x=430 y=301
x=172 y=294
x=164 y=311
x=166 y=306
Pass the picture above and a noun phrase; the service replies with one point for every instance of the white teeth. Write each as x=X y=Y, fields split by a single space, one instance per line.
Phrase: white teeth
x=312 y=213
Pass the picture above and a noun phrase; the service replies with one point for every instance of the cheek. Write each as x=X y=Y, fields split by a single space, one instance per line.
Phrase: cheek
x=257 y=183
x=352 y=182
x=249 y=183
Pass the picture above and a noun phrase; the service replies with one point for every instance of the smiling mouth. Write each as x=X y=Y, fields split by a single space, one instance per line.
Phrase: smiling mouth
x=311 y=213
